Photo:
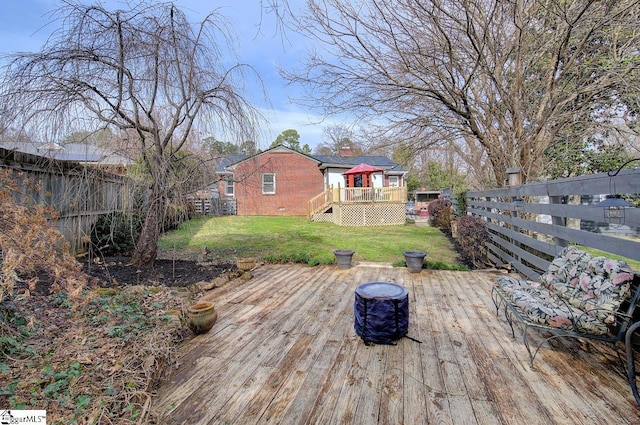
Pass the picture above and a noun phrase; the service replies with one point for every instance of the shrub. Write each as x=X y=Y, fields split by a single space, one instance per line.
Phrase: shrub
x=435 y=265
x=473 y=235
x=299 y=258
x=116 y=233
x=175 y=214
x=441 y=214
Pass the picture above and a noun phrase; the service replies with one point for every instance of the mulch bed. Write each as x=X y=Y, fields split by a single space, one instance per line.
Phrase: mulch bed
x=118 y=271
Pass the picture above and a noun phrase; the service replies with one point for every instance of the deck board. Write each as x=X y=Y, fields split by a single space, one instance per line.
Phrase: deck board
x=284 y=351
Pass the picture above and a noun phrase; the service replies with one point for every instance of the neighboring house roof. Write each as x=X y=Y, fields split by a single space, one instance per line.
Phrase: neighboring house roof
x=76 y=152
x=228 y=161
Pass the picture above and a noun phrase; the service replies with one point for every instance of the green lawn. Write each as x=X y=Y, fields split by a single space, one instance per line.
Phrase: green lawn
x=634 y=264
x=283 y=239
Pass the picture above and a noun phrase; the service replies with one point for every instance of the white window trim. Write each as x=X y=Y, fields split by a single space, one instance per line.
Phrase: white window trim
x=396 y=182
x=229 y=184
x=271 y=183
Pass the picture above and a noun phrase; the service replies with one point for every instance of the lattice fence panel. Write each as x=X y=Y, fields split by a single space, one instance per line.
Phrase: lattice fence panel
x=384 y=214
x=323 y=217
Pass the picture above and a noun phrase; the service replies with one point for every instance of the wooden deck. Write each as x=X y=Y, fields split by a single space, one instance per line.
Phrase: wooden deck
x=284 y=351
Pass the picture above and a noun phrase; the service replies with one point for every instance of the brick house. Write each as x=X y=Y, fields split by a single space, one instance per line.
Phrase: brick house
x=282 y=181
x=278 y=181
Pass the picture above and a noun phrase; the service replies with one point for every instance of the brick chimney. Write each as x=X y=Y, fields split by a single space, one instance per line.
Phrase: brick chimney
x=346 y=152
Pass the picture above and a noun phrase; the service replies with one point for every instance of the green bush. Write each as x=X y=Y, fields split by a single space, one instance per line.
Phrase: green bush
x=299 y=258
x=435 y=265
x=116 y=233
x=473 y=235
x=461 y=208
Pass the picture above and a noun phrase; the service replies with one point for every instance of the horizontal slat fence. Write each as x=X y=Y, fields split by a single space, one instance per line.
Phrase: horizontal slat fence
x=80 y=194
x=553 y=215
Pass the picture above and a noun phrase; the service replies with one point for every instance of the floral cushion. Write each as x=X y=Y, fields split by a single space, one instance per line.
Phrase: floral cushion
x=542 y=307
x=578 y=292
x=513 y=289
x=603 y=286
x=509 y=284
x=564 y=272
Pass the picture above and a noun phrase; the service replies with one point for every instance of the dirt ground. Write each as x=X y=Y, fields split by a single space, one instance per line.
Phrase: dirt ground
x=97 y=357
x=118 y=271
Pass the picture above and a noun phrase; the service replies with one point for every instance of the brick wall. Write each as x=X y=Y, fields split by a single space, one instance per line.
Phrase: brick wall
x=297 y=179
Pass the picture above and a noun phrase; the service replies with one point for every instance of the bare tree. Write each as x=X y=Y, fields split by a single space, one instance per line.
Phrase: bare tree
x=337 y=137
x=145 y=72
x=505 y=77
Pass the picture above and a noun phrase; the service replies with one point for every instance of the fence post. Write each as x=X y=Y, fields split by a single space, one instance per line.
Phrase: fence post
x=514 y=176
x=558 y=221
x=514 y=179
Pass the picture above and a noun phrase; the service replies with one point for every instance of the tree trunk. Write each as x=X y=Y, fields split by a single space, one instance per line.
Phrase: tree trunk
x=147 y=246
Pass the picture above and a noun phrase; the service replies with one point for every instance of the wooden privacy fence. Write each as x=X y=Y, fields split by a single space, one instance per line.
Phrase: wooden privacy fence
x=554 y=214
x=80 y=194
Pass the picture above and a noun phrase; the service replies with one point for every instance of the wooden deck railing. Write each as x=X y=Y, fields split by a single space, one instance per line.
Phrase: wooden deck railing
x=319 y=202
x=355 y=195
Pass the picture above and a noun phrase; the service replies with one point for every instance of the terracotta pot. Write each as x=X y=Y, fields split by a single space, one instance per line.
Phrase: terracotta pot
x=246 y=264
x=201 y=317
x=414 y=260
x=343 y=257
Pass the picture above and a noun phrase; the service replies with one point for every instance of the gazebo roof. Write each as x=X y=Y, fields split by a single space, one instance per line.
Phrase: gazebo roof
x=363 y=169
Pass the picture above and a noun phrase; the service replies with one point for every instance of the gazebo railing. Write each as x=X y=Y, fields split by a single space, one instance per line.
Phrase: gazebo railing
x=371 y=194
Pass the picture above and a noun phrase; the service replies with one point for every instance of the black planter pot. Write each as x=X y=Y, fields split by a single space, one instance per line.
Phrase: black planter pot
x=343 y=257
x=414 y=260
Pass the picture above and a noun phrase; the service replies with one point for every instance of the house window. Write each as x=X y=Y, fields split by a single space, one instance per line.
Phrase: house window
x=393 y=181
x=228 y=187
x=268 y=183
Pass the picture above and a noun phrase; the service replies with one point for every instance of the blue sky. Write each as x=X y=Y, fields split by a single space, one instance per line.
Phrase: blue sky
x=24 y=27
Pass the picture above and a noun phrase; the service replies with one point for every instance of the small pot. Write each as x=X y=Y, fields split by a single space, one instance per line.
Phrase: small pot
x=414 y=260
x=246 y=264
x=201 y=317
x=343 y=257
